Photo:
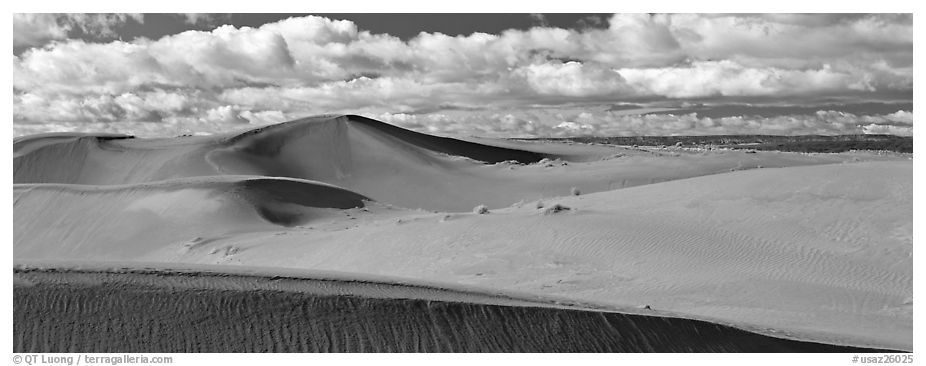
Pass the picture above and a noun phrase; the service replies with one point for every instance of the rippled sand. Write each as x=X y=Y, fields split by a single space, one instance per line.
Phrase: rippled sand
x=65 y=311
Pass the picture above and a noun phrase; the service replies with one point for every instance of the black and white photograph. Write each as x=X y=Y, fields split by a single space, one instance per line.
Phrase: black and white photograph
x=360 y=182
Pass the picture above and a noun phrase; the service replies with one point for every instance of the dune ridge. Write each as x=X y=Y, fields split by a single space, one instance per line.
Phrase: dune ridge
x=445 y=145
x=364 y=155
x=376 y=160
x=98 y=306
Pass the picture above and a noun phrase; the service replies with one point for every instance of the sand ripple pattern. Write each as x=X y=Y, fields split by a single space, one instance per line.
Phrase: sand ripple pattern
x=119 y=313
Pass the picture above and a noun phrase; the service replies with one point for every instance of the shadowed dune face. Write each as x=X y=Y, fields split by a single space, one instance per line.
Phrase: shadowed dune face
x=449 y=146
x=130 y=221
x=269 y=141
x=116 y=313
x=284 y=201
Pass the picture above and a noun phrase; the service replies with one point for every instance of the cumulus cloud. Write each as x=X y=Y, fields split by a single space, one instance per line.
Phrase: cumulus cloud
x=229 y=76
x=36 y=29
x=140 y=107
x=205 y=19
x=572 y=79
x=31 y=29
x=569 y=122
x=887 y=130
x=729 y=78
x=100 y=25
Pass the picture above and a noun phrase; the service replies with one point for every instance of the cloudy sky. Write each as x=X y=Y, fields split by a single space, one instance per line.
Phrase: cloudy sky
x=497 y=75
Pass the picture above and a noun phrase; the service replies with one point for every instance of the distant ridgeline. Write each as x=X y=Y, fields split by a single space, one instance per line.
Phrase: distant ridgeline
x=806 y=143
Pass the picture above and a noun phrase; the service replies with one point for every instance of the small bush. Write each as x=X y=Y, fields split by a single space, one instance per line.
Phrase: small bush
x=555 y=208
x=480 y=210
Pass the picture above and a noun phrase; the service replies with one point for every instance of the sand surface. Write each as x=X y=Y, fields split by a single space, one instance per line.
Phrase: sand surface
x=152 y=311
x=815 y=247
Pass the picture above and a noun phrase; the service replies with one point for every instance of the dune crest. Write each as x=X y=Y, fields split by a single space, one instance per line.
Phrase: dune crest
x=271 y=139
x=384 y=162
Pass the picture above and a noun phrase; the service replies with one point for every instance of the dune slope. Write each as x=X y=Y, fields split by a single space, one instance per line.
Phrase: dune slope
x=81 y=221
x=126 y=312
x=383 y=162
x=820 y=253
x=814 y=247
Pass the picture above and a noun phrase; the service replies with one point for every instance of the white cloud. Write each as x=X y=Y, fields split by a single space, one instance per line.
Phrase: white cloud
x=225 y=114
x=887 y=130
x=729 y=78
x=101 y=25
x=599 y=121
x=205 y=19
x=36 y=29
x=575 y=128
x=142 y=106
x=310 y=65
x=572 y=79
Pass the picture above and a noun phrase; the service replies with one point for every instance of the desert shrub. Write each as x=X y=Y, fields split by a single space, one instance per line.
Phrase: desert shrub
x=555 y=208
x=481 y=210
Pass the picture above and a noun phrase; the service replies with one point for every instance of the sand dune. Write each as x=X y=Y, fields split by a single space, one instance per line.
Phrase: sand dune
x=153 y=312
x=813 y=247
x=822 y=253
x=387 y=163
x=26 y=144
x=272 y=140
x=82 y=221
